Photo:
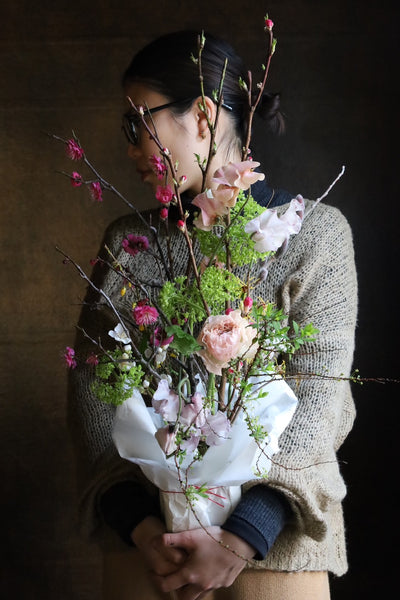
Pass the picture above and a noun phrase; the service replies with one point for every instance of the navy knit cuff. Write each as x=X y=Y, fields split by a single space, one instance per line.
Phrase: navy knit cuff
x=259 y=518
x=124 y=505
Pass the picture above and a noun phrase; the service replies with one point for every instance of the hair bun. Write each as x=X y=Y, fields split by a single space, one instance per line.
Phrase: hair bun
x=269 y=110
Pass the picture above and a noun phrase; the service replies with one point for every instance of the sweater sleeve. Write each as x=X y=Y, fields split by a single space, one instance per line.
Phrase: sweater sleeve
x=315 y=282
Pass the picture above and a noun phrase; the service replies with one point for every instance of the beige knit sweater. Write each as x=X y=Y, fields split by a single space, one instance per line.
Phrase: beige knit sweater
x=314 y=281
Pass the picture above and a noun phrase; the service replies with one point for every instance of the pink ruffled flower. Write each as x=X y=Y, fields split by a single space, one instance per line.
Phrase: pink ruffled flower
x=240 y=175
x=216 y=429
x=225 y=337
x=144 y=314
x=76 y=179
x=133 y=244
x=73 y=150
x=166 y=437
x=193 y=412
x=214 y=204
x=69 y=357
x=158 y=166
x=270 y=232
x=164 y=194
x=96 y=191
x=165 y=402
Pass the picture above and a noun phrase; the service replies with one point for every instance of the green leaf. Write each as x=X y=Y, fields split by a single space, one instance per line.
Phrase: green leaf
x=183 y=342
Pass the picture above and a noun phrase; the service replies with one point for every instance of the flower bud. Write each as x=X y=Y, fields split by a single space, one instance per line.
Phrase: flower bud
x=181 y=225
x=164 y=214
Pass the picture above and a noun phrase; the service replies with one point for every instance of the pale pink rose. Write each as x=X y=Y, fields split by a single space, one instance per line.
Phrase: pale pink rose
x=270 y=232
x=216 y=429
x=166 y=438
x=240 y=175
x=225 y=337
x=165 y=402
x=214 y=204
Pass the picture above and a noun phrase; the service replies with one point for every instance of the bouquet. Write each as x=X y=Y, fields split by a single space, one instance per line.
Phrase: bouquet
x=197 y=373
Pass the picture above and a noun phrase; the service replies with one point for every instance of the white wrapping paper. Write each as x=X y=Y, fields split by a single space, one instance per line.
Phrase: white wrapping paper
x=223 y=469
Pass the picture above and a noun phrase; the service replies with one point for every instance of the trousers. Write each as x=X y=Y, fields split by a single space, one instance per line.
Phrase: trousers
x=125 y=577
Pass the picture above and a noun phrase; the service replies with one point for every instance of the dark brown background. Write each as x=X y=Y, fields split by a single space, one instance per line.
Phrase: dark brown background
x=336 y=66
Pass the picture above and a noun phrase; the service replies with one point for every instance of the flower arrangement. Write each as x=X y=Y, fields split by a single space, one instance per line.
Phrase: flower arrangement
x=201 y=347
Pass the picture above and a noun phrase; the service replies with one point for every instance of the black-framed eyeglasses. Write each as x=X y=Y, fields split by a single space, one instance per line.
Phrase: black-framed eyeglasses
x=132 y=121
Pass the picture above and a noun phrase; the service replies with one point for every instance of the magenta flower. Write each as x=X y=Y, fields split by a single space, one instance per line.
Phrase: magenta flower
x=268 y=23
x=92 y=359
x=69 y=357
x=158 y=166
x=96 y=191
x=76 y=179
x=73 y=150
x=164 y=214
x=270 y=232
x=133 y=244
x=164 y=194
x=144 y=314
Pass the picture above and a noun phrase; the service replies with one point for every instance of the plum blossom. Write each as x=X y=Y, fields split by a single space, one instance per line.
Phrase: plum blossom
x=165 y=402
x=133 y=244
x=73 y=150
x=164 y=194
x=69 y=357
x=96 y=191
x=144 y=314
x=240 y=175
x=225 y=337
x=270 y=232
x=120 y=334
x=158 y=166
x=76 y=179
x=92 y=359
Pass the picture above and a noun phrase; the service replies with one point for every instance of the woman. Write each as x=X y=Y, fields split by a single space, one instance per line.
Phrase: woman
x=290 y=524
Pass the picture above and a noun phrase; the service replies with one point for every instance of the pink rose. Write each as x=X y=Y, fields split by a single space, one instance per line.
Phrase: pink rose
x=214 y=204
x=270 y=232
x=225 y=337
x=240 y=175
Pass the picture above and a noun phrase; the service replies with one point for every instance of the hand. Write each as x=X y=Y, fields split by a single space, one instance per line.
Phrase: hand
x=209 y=565
x=160 y=558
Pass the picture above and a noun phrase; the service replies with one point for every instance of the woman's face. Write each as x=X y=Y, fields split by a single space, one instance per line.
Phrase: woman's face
x=179 y=133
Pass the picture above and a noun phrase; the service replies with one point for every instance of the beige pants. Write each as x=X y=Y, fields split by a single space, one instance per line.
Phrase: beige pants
x=125 y=578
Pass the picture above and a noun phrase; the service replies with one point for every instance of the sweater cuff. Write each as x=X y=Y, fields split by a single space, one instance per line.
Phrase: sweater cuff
x=259 y=518
x=124 y=505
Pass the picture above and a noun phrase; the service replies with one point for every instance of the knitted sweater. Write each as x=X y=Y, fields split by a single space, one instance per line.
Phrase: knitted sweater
x=314 y=281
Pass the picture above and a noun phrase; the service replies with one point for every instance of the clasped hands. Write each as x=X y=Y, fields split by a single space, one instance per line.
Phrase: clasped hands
x=191 y=563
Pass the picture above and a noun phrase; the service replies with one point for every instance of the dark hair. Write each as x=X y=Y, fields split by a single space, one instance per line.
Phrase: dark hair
x=166 y=66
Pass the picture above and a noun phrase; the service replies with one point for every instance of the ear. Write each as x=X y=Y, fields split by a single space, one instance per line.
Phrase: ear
x=203 y=110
